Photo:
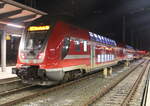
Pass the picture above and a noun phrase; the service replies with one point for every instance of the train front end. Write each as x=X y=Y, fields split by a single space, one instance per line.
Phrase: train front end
x=31 y=55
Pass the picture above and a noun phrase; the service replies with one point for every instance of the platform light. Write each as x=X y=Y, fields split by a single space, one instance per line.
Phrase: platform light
x=15 y=35
x=15 y=25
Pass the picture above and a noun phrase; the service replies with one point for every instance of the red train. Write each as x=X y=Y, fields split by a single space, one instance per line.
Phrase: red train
x=50 y=54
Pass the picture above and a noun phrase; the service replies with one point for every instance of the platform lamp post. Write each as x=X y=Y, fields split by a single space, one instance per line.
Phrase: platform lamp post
x=132 y=37
x=3 y=51
x=124 y=29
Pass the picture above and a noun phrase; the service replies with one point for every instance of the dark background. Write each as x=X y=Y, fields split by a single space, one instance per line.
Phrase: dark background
x=126 y=21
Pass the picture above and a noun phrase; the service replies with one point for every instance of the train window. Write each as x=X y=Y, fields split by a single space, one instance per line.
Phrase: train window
x=77 y=45
x=92 y=36
x=98 y=58
x=111 y=57
x=102 y=38
x=96 y=37
x=108 y=57
x=103 y=58
x=99 y=38
x=85 y=46
x=65 y=47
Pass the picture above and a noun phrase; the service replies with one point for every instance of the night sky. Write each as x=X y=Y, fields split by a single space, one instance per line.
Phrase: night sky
x=107 y=17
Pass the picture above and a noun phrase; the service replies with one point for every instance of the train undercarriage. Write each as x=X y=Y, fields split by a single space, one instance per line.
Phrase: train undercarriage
x=34 y=75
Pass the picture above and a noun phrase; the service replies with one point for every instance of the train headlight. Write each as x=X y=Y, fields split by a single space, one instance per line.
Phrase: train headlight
x=40 y=55
x=22 y=55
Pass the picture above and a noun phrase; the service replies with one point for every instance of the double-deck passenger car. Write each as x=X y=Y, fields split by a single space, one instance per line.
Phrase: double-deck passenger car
x=53 y=53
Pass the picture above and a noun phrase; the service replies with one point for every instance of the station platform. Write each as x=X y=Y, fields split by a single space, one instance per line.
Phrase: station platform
x=7 y=73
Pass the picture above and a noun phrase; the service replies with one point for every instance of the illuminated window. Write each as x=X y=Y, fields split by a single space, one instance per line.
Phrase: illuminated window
x=85 y=46
x=111 y=57
x=103 y=58
x=77 y=45
x=92 y=37
x=106 y=58
x=95 y=35
x=109 y=42
x=98 y=58
x=106 y=40
x=103 y=40
x=99 y=38
x=91 y=34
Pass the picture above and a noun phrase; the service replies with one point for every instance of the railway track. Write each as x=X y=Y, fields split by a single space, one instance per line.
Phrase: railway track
x=12 y=91
x=10 y=85
x=120 y=92
x=145 y=91
x=34 y=91
x=78 y=93
x=29 y=92
x=8 y=80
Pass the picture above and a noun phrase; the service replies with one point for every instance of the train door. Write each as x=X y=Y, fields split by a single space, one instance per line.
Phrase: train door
x=92 y=57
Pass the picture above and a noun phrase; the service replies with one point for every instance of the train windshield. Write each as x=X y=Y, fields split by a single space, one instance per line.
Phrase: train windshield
x=35 y=39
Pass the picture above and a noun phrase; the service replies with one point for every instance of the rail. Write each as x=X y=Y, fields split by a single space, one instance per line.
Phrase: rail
x=144 y=97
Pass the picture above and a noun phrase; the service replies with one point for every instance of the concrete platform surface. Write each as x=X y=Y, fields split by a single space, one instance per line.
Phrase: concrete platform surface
x=7 y=73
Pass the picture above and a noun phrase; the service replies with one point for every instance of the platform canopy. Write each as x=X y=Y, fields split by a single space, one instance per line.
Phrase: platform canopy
x=12 y=12
x=13 y=16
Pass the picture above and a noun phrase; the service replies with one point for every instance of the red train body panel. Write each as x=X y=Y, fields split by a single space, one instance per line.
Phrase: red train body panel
x=66 y=51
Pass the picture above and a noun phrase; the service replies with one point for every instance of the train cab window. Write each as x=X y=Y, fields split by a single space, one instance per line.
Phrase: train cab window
x=77 y=45
x=35 y=40
x=65 y=47
x=85 y=46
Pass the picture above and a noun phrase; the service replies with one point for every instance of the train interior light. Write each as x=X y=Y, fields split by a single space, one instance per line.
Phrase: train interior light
x=15 y=25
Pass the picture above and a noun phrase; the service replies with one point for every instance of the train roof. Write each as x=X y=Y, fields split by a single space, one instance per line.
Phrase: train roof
x=77 y=32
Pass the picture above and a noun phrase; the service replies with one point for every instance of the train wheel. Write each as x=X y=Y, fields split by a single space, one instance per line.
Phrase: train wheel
x=73 y=74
